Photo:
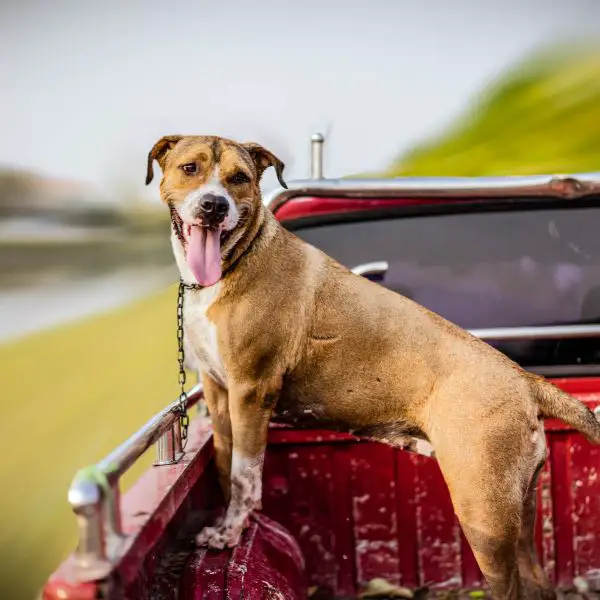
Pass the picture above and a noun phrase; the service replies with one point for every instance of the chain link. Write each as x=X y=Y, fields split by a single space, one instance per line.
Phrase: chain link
x=183 y=415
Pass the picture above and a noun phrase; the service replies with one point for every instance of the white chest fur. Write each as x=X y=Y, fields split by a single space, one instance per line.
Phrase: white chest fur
x=201 y=333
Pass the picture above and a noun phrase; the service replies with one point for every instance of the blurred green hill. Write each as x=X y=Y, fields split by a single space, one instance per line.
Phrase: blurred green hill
x=541 y=117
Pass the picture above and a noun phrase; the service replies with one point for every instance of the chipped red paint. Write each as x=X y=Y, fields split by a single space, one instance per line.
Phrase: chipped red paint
x=267 y=563
x=421 y=543
x=438 y=535
x=562 y=509
x=374 y=513
x=341 y=499
x=544 y=529
x=280 y=434
x=585 y=488
x=406 y=510
x=309 y=516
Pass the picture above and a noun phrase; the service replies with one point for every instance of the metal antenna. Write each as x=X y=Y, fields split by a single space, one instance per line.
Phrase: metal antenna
x=316 y=163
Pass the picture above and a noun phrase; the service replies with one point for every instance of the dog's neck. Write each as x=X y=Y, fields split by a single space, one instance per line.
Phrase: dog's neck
x=257 y=230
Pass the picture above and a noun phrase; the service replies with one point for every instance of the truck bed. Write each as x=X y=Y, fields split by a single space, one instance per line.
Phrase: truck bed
x=338 y=512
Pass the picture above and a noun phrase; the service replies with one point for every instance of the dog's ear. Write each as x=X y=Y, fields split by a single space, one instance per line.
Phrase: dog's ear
x=159 y=153
x=263 y=159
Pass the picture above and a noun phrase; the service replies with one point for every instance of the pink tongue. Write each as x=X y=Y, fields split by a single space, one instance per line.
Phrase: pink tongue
x=204 y=255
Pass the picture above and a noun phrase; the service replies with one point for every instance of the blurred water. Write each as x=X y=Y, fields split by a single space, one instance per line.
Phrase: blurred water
x=26 y=310
x=36 y=227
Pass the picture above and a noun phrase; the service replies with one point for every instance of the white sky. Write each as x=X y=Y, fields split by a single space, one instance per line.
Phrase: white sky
x=87 y=87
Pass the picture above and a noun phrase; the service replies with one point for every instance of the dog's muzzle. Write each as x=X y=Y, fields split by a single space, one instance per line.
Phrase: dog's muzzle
x=212 y=210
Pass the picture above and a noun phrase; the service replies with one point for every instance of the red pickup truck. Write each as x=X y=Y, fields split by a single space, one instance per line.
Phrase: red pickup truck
x=514 y=260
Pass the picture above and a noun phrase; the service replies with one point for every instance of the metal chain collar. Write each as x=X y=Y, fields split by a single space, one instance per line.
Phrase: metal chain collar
x=183 y=414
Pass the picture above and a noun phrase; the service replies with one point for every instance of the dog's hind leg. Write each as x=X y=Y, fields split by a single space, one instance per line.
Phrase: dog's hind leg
x=217 y=401
x=532 y=574
x=493 y=538
x=487 y=495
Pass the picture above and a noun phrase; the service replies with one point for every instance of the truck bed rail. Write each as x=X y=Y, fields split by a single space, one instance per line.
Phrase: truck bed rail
x=94 y=494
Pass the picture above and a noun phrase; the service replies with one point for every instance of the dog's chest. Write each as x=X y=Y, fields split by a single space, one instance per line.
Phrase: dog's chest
x=201 y=333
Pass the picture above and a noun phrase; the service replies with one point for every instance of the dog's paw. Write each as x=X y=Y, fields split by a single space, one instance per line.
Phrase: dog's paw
x=218 y=521
x=219 y=537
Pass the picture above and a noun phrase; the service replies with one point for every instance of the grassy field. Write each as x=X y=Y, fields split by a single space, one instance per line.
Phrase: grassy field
x=68 y=397
x=543 y=116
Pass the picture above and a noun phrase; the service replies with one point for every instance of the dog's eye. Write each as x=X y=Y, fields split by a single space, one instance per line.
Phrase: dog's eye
x=190 y=168
x=239 y=178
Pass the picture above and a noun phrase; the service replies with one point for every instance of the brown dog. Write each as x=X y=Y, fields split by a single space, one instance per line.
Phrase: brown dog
x=281 y=330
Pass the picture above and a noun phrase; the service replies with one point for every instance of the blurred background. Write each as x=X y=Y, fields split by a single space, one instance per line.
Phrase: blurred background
x=87 y=303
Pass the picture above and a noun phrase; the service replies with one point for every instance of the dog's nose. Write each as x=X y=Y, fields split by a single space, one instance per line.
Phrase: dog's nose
x=213 y=206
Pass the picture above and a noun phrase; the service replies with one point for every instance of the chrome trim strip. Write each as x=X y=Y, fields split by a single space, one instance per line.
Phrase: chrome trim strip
x=551 y=332
x=373 y=268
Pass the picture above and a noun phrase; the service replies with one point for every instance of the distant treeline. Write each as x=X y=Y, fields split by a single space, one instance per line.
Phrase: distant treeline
x=24 y=194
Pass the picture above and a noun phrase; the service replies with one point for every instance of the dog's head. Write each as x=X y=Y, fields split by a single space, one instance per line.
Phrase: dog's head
x=211 y=186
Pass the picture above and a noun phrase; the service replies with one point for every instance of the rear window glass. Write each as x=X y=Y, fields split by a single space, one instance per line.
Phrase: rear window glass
x=488 y=269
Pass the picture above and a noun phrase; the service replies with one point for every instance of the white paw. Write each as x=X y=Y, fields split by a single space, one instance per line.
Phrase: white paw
x=219 y=521
x=219 y=537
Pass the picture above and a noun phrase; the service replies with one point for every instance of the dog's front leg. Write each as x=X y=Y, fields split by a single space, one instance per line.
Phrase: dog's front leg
x=250 y=416
x=218 y=407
